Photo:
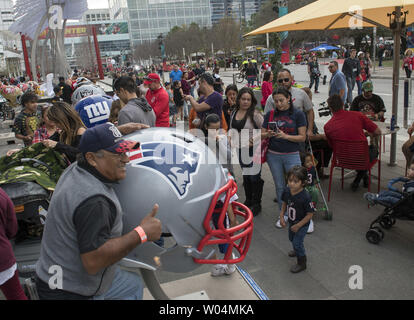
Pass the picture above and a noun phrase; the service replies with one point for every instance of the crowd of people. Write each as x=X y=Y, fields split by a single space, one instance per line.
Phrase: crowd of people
x=283 y=127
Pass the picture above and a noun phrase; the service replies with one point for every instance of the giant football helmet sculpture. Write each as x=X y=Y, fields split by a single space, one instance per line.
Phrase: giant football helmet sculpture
x=181 y=174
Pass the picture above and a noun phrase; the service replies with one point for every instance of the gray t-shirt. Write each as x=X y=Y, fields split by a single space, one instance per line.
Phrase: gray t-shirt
x=138 y=111
x=300 y=101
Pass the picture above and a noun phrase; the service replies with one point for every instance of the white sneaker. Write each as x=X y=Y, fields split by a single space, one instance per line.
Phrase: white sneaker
x=278 y=225
x=218 y=270
x=229 y=268
x=310 y=228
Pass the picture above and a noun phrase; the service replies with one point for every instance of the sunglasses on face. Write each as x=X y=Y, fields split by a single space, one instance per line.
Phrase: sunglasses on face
x=283 y=80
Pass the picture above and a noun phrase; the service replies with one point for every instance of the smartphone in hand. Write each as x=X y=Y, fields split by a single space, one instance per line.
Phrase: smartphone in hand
x=273 y=126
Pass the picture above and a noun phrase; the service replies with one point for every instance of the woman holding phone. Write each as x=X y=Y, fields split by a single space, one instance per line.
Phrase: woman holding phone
x=244 y=121
x=286 y=128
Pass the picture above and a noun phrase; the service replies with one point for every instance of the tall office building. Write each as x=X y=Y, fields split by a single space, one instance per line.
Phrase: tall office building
x=240 y=10
x=96 y=15
x=118 y=9
x=11 y=58
x=150 y=18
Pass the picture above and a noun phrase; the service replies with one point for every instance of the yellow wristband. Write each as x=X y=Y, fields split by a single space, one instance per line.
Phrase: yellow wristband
x=141 y=234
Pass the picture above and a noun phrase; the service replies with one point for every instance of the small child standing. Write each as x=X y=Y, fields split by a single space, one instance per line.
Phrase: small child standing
x=311 y=188
x=179 y=99
x=229 y=222
x=299 y=207
x=392 y=195
x=221 y=148
x=27 y=121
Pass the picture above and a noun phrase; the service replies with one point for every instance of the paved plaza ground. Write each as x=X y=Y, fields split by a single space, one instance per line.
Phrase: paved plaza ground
x=335 y=246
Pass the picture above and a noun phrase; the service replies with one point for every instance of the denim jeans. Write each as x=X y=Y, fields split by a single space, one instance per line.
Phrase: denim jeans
x=125 y=286
x=279 y=165
x=251 y=80
x=350 y=83
x=314 y=79
x=359 y=85
x=298 y=238
x=390 y=197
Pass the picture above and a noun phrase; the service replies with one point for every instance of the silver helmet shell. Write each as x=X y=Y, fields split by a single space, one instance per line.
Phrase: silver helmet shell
x=84 y=91
x=179 y=173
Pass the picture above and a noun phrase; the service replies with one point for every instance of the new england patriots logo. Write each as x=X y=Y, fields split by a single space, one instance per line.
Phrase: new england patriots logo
x=176 y=164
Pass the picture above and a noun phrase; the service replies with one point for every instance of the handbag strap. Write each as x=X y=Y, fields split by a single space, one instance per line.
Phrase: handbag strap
x=272 y=113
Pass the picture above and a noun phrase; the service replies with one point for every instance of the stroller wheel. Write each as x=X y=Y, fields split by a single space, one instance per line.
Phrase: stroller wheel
x=380 y=232
x=373 y=236
x=386 y=222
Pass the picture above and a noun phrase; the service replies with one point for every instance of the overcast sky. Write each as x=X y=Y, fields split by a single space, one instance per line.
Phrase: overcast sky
x=97 y=4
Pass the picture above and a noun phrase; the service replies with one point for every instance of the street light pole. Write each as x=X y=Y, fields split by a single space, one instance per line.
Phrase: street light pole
x=374 y=46
x=397 y=23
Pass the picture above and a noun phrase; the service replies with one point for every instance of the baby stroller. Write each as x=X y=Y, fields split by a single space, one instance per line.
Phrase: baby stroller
x=403 y=209
x=29 y=177
x=324 y=208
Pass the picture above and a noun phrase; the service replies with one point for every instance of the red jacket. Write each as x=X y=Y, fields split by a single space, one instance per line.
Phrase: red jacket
x=8 y=229
x=267 y=89
x=159 y=101
x=408 y=62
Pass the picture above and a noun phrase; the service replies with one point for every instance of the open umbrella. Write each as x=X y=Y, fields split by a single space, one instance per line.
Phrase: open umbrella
x=324 y=47
x=326 y=14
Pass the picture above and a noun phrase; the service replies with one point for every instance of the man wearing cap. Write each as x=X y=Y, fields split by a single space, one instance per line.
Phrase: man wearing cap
x=136 y=109
x=369 y=103
x=82 y=239
x=158 y=99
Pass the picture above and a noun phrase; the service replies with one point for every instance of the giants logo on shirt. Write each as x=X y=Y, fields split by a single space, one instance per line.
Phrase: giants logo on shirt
x=97 y=111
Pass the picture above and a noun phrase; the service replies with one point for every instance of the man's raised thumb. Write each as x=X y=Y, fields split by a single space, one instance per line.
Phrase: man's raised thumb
x=154 y=210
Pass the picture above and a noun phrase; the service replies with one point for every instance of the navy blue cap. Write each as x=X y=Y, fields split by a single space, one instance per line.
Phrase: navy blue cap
x=105 y=137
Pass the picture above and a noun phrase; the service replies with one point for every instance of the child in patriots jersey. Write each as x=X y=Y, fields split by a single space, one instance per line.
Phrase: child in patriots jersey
x=299 y=207
x=311 y=188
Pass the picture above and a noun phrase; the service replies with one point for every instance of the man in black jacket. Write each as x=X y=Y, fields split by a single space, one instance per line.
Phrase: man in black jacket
x=351 y=69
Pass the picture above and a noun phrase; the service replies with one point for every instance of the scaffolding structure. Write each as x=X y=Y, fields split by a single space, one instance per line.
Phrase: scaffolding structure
x=34 y=17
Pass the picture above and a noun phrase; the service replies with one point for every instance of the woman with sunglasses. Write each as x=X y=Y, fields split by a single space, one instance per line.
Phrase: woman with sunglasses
x=286 y=128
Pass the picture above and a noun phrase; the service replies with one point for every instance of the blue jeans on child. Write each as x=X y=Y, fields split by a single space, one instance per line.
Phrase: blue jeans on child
x=298 y=238
x=279 y=165
x=388 y=196
x=125 y=286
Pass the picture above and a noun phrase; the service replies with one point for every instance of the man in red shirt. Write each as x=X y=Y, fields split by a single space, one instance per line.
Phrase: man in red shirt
x=349 y=125
x=158 y=99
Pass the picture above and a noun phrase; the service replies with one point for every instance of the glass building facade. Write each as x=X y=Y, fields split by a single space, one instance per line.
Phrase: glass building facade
x=150 y=18
x=238 y=9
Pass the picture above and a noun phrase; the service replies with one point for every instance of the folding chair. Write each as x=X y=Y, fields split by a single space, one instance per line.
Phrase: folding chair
x=352 y=155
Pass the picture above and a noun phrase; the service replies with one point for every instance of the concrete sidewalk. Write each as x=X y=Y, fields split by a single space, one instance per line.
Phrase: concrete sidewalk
x=386 y=73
